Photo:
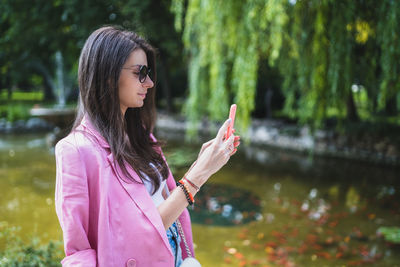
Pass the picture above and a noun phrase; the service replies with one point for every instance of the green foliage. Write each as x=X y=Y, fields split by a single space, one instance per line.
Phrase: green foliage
x=322 y=48
x=13 y=112
x=180 y=158
x=391 y=234
x=388 y=30
x=18 y=107
x=225 y=41
x=22 y=96
x=32 y=32
x=19 y=254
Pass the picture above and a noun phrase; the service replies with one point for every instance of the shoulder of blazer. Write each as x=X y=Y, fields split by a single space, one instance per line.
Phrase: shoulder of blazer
x=84 y=143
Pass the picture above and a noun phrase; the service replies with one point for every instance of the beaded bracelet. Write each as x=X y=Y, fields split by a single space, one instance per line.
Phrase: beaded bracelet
x=191 y=183
x=189 y=196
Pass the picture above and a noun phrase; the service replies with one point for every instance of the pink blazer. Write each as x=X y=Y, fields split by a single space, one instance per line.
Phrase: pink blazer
x=107 y=221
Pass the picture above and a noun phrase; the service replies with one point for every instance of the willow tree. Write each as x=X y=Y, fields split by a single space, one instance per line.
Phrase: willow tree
x=334 y=44
x=225 y=41
x=321 y=48
x=317 y=66
x=388 y=37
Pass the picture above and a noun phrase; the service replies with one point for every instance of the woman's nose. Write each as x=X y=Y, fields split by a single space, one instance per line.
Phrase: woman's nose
x=148 y=82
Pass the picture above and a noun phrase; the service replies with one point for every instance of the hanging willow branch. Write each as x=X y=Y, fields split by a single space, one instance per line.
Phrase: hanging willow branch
x=225 y=41
x=321 y=47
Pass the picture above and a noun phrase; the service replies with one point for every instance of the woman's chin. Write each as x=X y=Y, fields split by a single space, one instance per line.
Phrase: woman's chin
x=139 y=104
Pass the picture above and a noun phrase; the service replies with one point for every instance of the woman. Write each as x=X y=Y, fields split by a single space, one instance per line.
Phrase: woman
x=116 y=199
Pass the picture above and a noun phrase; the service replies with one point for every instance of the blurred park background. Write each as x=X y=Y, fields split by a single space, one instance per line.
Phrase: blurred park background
x=317 y=84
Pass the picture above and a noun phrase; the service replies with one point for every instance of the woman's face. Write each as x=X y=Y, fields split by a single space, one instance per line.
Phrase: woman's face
x=131 y=91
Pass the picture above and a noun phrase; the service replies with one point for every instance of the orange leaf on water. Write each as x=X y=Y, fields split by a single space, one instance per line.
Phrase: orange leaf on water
x=277 y=234
x=303 y=248
x=290 y=249
x=269 y=250
x=295 y=232
x=324 y=254
x=311 y=239
x=255 y=262
x=329 y=240
x=333 y=224
x=242 y=235
x=282 y=262
x=260 y=235
x=354 y=263
x=295 y=215
x=272 y=258
x=239 y=255
x=317 y=247
x=242 y=263
x=228 y=260
x=271 y=244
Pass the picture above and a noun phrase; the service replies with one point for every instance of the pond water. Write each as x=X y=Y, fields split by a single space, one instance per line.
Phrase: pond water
x=265 y=208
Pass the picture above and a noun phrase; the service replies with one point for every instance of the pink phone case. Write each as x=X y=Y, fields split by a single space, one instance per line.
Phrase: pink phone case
x=232 y=114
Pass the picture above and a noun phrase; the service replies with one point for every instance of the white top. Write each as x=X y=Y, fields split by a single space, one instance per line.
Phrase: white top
x=157 y=197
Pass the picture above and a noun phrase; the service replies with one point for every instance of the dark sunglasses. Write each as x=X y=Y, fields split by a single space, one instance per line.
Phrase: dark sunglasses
x=143 y=72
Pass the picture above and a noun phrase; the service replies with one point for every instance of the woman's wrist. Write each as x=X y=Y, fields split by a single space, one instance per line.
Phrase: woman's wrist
x=196 y=187
x=196 y=178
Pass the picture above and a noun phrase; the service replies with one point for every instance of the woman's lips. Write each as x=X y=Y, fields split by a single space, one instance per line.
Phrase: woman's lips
x=142 y=95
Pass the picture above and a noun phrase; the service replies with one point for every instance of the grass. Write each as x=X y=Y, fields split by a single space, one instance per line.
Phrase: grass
x=21 y=96
x=26 y=254
x=17 y=108
x=20 y=104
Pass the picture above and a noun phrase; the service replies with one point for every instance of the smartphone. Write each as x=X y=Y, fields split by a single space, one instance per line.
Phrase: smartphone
x=232 y=114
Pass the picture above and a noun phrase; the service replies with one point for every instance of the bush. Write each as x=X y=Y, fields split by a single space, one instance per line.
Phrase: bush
x=19 y=254
x=391 y=234
x=17 y=112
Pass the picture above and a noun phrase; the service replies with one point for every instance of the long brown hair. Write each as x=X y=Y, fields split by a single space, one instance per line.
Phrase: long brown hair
x=100 y=64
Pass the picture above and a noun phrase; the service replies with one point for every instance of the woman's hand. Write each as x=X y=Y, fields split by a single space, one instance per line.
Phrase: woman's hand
x=213 y=155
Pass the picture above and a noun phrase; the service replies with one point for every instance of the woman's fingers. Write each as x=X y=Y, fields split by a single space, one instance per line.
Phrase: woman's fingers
x=222 y=130
x=236 y=141
x=228 y=145
x=234 y=152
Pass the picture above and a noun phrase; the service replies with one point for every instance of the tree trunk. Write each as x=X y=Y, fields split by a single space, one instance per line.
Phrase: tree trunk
x=9 y=93
x=391 y=106
x=165 y=85
x=48 y=94
x=9 y=87
x=352 y=114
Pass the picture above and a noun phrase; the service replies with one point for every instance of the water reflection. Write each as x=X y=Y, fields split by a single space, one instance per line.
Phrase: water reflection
x=285 y=210
x=219 y=204
x=27 y=176
x=352 y=199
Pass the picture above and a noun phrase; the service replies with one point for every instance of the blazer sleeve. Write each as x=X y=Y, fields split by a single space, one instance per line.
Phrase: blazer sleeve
x=72 y=206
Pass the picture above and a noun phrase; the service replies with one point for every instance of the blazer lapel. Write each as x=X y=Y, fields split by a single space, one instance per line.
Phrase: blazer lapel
x=139 y=195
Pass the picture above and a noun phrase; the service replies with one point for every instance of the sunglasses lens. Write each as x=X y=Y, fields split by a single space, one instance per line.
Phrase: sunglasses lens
x=144 y=71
